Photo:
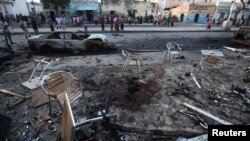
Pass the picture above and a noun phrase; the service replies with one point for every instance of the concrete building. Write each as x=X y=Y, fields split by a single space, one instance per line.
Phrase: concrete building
x=193 y=13
x=16 y=7
x=175 y=3
x=88 y=8
x=223 y=9
x=132 y=8
x=199 y=11
x=35 y=8
x=6 y=7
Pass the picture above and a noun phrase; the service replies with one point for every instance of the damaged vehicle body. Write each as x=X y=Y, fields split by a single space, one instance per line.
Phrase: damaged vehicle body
x=67 y=40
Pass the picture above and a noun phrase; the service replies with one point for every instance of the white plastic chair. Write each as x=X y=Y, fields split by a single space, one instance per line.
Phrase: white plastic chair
x=173 y=50
x=130 y=60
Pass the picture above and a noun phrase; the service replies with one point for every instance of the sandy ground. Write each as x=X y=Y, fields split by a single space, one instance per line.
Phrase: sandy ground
x=142 y=109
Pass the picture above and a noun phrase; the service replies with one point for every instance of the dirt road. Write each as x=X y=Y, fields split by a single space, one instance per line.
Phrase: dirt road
x=149 y=105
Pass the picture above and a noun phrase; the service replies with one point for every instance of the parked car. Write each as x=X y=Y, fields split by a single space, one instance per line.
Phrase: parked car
x=242 y=36
x=67 y=40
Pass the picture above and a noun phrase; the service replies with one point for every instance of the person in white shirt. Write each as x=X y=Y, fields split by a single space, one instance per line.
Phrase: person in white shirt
x=58 y=21
x=7 y=32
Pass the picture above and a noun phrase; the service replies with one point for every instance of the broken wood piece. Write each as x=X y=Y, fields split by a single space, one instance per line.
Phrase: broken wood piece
x=68 y=122
x=207 y=114
x=17 y=102
x=230 y=48
x=39 y=97
x=11 y=93
x=195 y=81
x=246 y=57
x=32 y=124
x=236 y=50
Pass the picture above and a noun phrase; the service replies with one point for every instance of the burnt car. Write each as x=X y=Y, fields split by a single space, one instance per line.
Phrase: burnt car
x=242 y=36
x=67 y=40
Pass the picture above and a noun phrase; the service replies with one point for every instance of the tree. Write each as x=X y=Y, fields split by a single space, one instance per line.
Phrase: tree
x=56 y=3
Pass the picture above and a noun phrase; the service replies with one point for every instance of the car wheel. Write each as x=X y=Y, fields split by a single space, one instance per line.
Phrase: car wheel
x=46 y=49
x=94 y=48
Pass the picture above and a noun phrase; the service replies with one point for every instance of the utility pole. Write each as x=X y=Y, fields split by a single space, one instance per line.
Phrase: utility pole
x=33 y=9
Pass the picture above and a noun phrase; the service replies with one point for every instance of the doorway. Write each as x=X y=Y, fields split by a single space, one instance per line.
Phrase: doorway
x=182 y=17
x=89 y=15
x=112 y=12
x=196 y=18
x=222 y=15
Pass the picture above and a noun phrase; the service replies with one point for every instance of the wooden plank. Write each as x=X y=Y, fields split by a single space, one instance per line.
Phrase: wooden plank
x=212 y=60
x=55 y=83
x=39 y=97
x=11 y=93
x=207 y=114
x=72 y=94
x=17 y=102
x=68 y=122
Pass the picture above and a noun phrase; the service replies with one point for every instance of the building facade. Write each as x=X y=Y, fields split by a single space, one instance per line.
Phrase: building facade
x=89 y=8
x=133 y=8
x=34 y=8
x=17 y=7
x=6 y=8
x=194 y=13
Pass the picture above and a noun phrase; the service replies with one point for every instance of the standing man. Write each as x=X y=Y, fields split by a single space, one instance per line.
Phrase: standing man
x=24 y=28
x=85 y=24
x=102 y=21
x=58 y=22
x=6 y=32
x=117 y=23
x=34 y=25
x=209 y=24
x=111 y=23
x=122 y=23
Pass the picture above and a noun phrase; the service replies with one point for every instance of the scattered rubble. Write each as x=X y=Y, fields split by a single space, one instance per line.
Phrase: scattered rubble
x=168 y=101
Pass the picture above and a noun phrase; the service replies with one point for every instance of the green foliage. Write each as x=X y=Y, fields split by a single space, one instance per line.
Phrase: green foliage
x=56 y=3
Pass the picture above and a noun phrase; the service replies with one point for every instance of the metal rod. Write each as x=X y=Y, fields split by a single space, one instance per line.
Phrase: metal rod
x=195 y=80
x=93 y=120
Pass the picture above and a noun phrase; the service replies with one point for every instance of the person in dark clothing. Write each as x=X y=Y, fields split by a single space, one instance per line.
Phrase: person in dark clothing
x=51 y=25
x=111 y=23
x=122 y=23
x=43 y=19
x=34 y=25
x=102 y=22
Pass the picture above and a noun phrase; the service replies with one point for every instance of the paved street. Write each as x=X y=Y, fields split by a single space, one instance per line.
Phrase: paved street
x=137 y=28
x=100 y=73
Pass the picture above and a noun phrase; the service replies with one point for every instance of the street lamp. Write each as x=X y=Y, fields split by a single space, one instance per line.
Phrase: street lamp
x=232 y=8
x=226 y=26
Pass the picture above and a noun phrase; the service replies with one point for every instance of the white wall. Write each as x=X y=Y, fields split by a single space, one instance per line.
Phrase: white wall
x=172 y=3
x=162 y=3
x=20 y=7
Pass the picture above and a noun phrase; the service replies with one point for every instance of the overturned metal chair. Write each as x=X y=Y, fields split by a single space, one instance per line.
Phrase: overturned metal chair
x=173 y=50
x=58 y=83
x=211 y=62
x=211 y=59
x=130 y=60
x=35 y=81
